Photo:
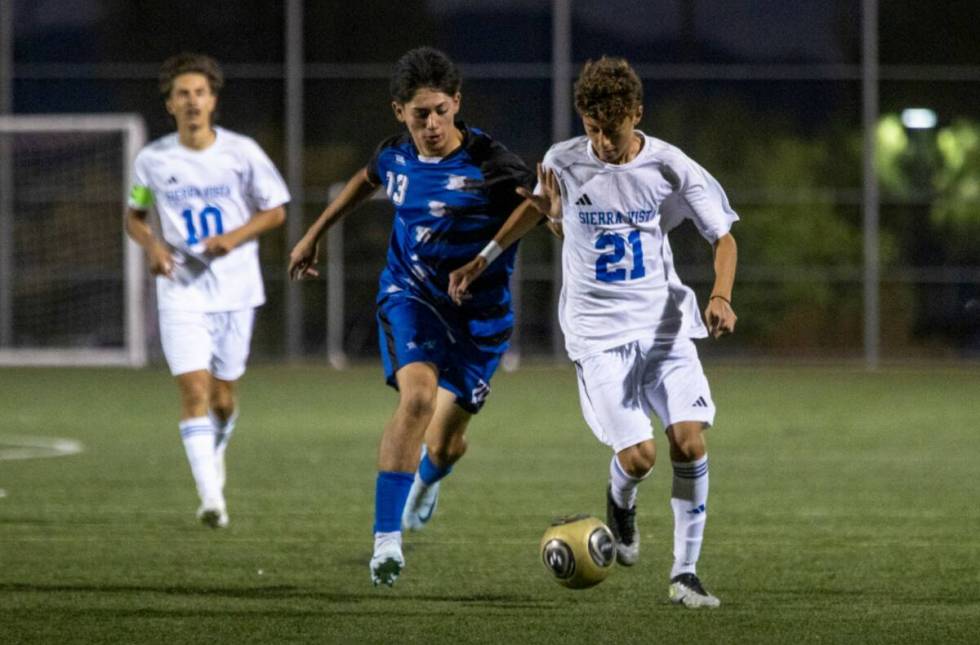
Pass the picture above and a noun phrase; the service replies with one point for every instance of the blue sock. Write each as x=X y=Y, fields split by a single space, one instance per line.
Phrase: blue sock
x=390 y=492
x=429 y=472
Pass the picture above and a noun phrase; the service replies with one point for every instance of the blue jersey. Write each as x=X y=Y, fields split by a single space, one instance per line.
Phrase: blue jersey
x=446 y=211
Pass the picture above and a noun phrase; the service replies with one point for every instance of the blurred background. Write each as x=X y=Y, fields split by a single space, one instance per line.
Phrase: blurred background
x=846 y=133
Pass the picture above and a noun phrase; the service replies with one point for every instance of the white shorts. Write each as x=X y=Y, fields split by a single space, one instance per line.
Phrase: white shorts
x=621 y=388
x=216 y=342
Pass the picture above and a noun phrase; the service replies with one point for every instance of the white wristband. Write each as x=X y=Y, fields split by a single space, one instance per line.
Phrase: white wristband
x=491 y=251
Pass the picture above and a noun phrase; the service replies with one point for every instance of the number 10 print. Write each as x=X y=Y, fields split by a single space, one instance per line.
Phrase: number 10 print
x=202 y=219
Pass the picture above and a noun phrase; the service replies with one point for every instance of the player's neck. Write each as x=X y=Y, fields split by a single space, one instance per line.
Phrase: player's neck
x=636 y=144
x=196 y=138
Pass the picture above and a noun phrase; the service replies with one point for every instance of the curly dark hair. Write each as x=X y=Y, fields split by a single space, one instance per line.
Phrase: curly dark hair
x=608 y=90
x=424 y=67
x=187 y=63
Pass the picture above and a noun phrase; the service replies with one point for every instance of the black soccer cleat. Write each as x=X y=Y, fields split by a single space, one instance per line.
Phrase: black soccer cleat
x=622 y=523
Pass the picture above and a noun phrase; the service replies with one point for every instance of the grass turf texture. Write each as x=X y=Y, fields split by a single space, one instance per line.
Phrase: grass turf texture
x=843 y=508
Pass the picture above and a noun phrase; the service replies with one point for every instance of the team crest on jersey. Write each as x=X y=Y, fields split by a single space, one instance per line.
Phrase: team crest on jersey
x=400 y=160
x=462 y=182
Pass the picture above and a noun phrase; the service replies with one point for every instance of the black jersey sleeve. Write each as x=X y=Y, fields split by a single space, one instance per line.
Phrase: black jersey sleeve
x=373 y=171
x=504 y=173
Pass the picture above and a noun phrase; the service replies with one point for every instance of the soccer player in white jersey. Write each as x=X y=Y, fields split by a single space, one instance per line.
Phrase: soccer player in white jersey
x=214 y=191
x=628 y=321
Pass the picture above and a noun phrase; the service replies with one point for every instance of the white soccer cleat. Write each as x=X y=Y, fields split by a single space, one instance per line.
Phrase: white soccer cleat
x=387 y=562
x=420 y=505
x=686 y=589
x=214 y=515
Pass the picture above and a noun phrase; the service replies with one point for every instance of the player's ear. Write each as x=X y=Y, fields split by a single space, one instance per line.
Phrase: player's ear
x=399 y=111
x=457 y=100
x=638 y=114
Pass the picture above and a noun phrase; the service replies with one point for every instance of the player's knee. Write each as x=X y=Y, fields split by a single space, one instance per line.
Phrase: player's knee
x=194 y=393
x=637 y=460
x=417 y=406
x=686 y=444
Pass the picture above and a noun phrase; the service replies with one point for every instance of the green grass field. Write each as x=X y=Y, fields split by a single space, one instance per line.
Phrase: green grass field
x=844 y=508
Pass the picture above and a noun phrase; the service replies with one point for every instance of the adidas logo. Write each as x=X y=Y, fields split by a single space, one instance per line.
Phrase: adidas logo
x=697 y=511
x=172 y=180
x=700 y=403
x=583 y=200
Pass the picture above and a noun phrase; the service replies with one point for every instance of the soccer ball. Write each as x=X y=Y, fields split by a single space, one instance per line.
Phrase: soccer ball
x=578 y=551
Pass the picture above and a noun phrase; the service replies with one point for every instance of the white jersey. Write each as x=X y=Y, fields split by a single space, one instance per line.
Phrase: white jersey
x=201 y=193
x=619 y=282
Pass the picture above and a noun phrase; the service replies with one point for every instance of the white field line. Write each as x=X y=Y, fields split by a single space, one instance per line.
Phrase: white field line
x=32 y=447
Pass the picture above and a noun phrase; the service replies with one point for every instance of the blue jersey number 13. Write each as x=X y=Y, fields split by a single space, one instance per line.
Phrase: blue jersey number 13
x=618 y=245
x=205 y=228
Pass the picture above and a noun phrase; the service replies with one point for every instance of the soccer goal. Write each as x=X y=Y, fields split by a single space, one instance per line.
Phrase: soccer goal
x=71 y=283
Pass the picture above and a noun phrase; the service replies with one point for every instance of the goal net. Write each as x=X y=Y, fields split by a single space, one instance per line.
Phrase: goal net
x=71 y=283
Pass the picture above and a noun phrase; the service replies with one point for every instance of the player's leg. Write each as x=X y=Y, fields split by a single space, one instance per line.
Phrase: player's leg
x=413 y=342
x=224 y=415
x=187 y=346
x=610 y=405
x=397 y=459
x=627 y=469
x=445 y=444
x=686 y=407
x=232 y=339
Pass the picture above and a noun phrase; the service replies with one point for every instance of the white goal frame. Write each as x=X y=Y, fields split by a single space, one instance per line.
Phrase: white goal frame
x=134 y=351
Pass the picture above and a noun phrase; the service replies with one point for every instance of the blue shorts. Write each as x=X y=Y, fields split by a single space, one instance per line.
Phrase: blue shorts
x=411 y=330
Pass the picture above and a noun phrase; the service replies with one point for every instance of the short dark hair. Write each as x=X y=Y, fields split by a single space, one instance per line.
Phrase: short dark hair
x=424 y=67
x=608 y=90
x=188 y=63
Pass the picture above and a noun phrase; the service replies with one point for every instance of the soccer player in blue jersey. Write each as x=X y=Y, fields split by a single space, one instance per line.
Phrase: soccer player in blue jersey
x=452 y=187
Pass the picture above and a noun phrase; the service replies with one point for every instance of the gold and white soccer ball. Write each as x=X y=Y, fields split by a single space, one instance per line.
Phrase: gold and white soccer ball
x=578 y=551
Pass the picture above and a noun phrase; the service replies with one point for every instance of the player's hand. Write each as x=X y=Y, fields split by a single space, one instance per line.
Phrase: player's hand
x=218 y=245
x=303 y=259
x=160 y=261
x=463 y=277
x=548 y=203
x=720 y=317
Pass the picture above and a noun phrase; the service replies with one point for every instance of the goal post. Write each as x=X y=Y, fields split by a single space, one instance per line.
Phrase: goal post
x=71 y=282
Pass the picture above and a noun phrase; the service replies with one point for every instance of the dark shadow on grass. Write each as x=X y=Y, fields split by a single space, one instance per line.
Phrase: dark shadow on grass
x=27 y=521
x=510 y=601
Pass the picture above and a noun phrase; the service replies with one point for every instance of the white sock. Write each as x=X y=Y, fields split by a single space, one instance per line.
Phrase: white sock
x=379 y=538
x=689 y=499
x=623 y=485
x=223 y=431
x=198 y=437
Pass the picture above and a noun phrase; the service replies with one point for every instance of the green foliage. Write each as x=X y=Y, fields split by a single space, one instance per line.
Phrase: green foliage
x=800 y=244
x=942 y=166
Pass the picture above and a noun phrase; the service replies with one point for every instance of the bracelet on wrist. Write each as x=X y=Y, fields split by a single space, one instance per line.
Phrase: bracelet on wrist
x=721 y=298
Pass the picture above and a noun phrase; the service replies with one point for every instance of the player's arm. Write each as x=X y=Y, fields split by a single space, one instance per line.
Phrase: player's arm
x=303 y=258
x=157 y=254
x=259 y=223
x=719 y=313
x=524 y=218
